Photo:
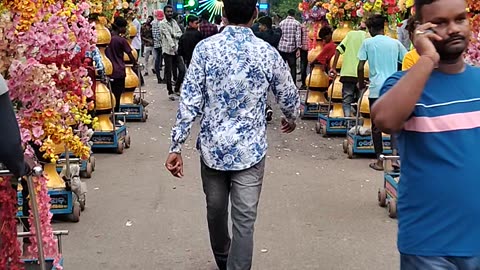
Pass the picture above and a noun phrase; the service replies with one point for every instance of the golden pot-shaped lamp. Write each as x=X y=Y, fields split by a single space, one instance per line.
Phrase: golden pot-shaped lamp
x=132 y=30
x=313 y=53
x=339 y=62
x=131 y=80
x=103 y=35
x=335 y=92
x=54 y=181
x=318 y=78
x=365 y=110
x=341 y=32
x=104 y=99
x=104 y=123
x=107 y=64
x=366 y=70
x=134 y=52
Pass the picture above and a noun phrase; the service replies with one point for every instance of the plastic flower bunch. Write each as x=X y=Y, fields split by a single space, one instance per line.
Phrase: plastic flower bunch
x=52 y=55
x=26 y=10
x=8 y=47
x=472 y=55
x=9 y=250
x=473 y=5
x=388 y=8
x=342 y=11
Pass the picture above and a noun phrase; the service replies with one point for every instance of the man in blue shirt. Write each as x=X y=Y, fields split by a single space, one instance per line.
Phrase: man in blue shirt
x=228 y=80
x=435 y=107
x=384 y=54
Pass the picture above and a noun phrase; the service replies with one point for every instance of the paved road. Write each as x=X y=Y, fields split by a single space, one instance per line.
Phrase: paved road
x=318 y=209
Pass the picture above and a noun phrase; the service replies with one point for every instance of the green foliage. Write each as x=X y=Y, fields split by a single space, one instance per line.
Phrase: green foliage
x=282 y=6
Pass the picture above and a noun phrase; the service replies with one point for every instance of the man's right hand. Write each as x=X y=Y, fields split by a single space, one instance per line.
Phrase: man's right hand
x=288 y=126
x=423 y=41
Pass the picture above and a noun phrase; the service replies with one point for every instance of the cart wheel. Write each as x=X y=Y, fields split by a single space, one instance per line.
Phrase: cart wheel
x=144 y=116
x=120 y=147
x=88 y=171
x=83 y=202
x=128 y=141
x=345 y=146
x=392 y=208
x=350 y=151
x=382 y=197
x=323 y=130
x=92 y=161
x=75 y=215
x=318 y=127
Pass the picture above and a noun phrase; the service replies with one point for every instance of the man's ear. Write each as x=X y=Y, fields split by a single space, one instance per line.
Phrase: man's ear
x=255 y=14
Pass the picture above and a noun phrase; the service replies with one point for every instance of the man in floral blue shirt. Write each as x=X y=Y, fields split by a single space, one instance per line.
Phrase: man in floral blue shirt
x=227 y=81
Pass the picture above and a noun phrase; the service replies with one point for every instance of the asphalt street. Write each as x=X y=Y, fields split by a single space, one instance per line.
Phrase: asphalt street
x=318 y=209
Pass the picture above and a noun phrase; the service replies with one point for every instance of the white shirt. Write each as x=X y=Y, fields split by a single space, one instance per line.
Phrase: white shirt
x=3 y=86
x=137 y=40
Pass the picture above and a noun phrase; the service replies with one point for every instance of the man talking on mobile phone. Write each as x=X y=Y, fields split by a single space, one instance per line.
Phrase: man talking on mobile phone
x=435 y=108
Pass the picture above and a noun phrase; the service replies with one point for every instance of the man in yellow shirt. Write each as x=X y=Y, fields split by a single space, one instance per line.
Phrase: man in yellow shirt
x=412 y=56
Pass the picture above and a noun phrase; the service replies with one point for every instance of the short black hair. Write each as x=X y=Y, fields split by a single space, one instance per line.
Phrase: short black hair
x=191 y=18
x=120 y=22
x=291 y=12
x=262 y=14
x=325 y=31
x=418 y=7
x=167 y=7
x=375 y=23
x=150 y=17
x=267 y=21
x=411 y=25
x=205 y=15
x=239 y=11
x=218 y=19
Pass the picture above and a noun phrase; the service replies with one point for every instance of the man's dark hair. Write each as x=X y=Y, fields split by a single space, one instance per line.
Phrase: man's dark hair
x=411 y=25
x=291 y=12
x=262 y=14
x=239 y=11
x=191 y=18
x=267 y=21
x=325 y=31
x=205 y=15
x=167 y=7
x=418 y=7
x=151 y=17
x=218 y=19
x=376 y=24
x=119 y=22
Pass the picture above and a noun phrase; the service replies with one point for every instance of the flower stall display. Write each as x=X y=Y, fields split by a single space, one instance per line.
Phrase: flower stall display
x=342 y=11
x=42 y=48
x=472 y=55
x=388 y=8
x=314 y=15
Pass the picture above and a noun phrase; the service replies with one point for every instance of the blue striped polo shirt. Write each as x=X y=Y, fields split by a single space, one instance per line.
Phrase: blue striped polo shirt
x=438 y=193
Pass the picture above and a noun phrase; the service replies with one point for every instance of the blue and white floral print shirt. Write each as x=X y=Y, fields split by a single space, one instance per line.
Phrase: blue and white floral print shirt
x=227 y=80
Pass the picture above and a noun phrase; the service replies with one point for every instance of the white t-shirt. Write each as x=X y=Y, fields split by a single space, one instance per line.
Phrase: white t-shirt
x=3 y=86
x=137 y=40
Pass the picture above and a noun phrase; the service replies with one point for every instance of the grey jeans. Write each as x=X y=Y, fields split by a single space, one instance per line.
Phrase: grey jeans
x=243 y=188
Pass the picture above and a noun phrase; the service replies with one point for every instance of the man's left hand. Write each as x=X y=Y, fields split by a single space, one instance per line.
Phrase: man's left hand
x=174 y=164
